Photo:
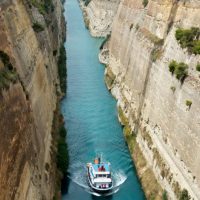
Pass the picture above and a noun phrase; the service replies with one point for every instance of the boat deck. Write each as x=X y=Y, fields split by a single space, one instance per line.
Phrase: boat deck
x=98 y=167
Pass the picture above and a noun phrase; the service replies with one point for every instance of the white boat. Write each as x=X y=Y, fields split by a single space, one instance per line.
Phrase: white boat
x=99 y=176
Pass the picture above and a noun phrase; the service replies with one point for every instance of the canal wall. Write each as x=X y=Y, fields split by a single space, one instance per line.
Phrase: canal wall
x=31 y=34
x=159 y=122
x=99 y=16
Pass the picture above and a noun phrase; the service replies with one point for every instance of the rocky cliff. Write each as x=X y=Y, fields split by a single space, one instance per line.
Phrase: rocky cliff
x=99 y=15
x=158 y=106
x=161 y=110
x=31 y=33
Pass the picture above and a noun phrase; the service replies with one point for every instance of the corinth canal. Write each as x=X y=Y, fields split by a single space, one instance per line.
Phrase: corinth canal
x=91 y=117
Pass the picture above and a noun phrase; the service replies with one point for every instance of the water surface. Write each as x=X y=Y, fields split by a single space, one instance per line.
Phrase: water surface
x=91 y=117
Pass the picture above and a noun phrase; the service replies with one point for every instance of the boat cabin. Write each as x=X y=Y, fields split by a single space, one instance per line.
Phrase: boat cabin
x=101 y=175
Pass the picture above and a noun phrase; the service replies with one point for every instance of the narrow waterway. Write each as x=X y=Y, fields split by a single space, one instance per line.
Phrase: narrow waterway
x=91 y=117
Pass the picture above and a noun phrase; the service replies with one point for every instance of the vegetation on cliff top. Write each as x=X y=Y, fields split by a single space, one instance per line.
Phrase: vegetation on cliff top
x=62 y=69
x=7 y=73
x=189 y=38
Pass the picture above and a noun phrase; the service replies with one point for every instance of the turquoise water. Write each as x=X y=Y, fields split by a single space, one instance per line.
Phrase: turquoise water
x=91 y=118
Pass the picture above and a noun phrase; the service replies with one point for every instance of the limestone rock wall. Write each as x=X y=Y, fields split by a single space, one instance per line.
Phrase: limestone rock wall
x=154 y=101
x=100 y=14
x=31 y=37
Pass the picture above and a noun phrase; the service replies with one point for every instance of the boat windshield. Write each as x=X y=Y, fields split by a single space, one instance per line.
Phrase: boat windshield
x=103 y=175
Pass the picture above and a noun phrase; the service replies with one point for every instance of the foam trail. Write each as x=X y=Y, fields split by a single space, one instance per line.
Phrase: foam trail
x=119 y=178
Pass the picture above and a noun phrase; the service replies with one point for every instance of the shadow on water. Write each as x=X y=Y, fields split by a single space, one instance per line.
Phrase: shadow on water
x=65 y=184
x=109 y=197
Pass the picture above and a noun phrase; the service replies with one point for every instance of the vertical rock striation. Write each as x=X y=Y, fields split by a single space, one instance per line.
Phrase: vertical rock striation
x=31 y=33
x=142 y=45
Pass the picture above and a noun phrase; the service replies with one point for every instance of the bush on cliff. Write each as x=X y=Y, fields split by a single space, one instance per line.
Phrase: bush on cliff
x=6 y=77
x=189 y=38
x=145 y=3
x=198 y=67
x=184 y=195
x=7 y=73
x=37 y=27
x=62 y=70
x=188 y=103
x=179 y=69
x=164 y=195
x=87 y=2
x=43 y=6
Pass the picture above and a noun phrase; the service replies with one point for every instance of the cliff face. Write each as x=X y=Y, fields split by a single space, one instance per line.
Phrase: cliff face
x=99 y=16
x=31 y=33
x=142 y=45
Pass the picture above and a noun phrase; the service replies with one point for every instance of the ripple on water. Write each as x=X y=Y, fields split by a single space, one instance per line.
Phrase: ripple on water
x=91 y=118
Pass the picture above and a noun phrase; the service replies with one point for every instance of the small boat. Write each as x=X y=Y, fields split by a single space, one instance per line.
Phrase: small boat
x=99 y=176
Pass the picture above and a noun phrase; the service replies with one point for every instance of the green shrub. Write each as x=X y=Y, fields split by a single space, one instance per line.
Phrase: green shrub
x=145 y=2
x=173 y=89
x=196 y=48
x=172 y=66
x=5 y=58
x=189 y=38
x=179 y=69
x=37 y=27
x=188 y=103
x=62 y=70
x=7 y=74
x=198 y=67
x=48 y=6
x=184 y=195
x=164 y=195
x=43 y=6
x=87 y=2
x=6 y=77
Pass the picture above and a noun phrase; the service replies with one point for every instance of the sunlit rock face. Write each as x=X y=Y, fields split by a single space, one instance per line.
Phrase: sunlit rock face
x=142 y=45
x=99 y=16
x=30 y=39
